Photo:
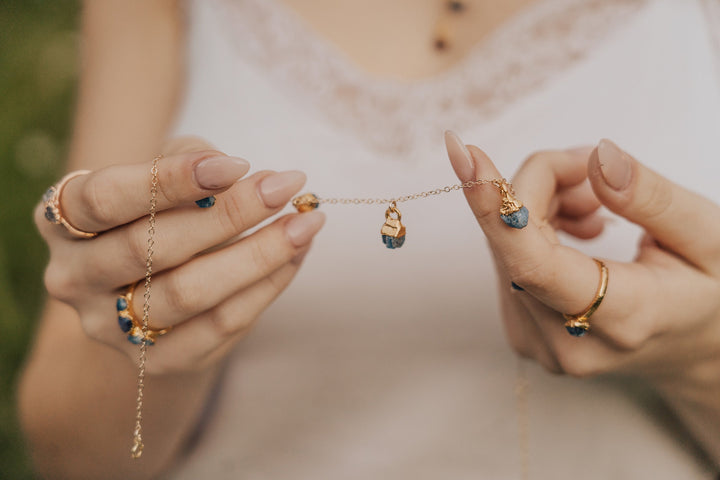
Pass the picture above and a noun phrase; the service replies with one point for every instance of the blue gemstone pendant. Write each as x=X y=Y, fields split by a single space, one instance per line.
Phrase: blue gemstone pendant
x=577 y=331
x=518 y=219
x=512 y=211
x=393 y=231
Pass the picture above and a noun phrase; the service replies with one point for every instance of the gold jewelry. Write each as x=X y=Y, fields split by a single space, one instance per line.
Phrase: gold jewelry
x=512 y=211
x=53 y=209
x=137 y=448
x=130 y=325
x=579 y=325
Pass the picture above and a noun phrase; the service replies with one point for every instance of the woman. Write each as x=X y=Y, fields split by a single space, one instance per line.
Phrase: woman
x=365 y=362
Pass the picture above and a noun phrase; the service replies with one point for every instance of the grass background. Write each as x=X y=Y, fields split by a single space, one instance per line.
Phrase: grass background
x=38 y=74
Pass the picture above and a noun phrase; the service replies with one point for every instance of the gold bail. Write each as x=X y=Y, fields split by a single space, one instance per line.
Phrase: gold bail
x=510 y=204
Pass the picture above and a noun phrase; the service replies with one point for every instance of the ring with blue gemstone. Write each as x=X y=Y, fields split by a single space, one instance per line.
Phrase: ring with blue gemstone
x=129 y=324
x=579 y=325
x=53 y=210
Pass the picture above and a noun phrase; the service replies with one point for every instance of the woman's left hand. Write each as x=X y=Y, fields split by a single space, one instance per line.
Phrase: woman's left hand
x=660 y=318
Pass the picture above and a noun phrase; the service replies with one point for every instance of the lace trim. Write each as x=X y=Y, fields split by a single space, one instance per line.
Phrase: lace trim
x=398 y=117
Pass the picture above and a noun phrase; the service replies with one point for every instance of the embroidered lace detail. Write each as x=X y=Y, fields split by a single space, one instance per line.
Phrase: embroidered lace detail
x=398 y=117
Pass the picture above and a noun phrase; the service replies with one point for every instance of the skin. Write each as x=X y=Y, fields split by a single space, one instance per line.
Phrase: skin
x=87 y=434
x=660 y=320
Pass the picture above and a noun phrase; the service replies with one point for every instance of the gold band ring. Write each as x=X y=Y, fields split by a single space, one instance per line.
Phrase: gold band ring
x=578 y=325
x=53 y=210
x=129 y=324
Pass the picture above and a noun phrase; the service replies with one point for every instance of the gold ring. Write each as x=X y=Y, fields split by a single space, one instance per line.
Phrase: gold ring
x=578 y=325
x=53 y=210
x=129 y=324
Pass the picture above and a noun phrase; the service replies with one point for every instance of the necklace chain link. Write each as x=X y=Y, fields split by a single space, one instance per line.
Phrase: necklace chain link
x=137 y=448
x=405 y=198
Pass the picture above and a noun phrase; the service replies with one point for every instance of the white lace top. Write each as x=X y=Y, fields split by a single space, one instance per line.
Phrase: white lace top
x=392 y=364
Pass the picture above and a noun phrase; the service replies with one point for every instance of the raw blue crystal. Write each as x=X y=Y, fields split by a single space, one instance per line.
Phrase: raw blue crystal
x=48 y=194
x=121 y=304
x=576 y=331
x=518 y=219
x=50 y=214
x=136 y=339
x=393 y=242
x=125 y=323
x=206 y=202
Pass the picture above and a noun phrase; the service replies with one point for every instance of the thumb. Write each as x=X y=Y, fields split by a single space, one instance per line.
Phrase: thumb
x=671 y=214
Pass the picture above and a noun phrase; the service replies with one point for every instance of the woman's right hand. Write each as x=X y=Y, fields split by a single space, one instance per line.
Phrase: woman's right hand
x=208 y=285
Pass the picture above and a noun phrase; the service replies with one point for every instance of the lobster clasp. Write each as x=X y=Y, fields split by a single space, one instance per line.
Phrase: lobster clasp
x=393 y=231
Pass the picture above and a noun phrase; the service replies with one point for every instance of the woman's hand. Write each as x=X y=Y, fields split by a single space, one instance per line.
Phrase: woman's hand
x=660 y=318
x=208 y=285
x=661 y=314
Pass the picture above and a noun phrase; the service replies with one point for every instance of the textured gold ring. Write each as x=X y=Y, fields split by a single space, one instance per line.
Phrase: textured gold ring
x=53 y=209
x=129 y=324
x=579 y=324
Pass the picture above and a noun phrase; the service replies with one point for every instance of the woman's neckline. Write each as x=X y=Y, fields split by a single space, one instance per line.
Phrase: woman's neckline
x=401 y=119
x=455 y=25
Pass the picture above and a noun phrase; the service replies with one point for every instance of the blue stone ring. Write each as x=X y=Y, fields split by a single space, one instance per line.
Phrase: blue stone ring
x=579 y=325
x=129 y=324
x=53 y=210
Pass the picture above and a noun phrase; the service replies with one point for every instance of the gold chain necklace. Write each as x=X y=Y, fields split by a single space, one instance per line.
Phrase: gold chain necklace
x=393 y=232
x=512 y=212
x=137 y=448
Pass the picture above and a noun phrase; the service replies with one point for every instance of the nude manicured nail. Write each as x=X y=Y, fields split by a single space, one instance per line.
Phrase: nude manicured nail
x=277 y=189
x=460 y=157
x=614 y=164
x=220 y=171
x=302 y=228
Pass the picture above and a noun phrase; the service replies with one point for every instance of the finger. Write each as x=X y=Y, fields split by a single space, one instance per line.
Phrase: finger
x=208 y=280
x=544 y=174
x=680 y=220
x=119 y=194
x=117 y=257
x=522 y=332
x=209 y=336
x=578 y=201
x=583 y=357
x=559 y=276
x=585 y=228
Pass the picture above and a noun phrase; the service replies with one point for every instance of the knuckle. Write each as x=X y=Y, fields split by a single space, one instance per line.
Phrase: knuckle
x=527 y=273
x=655 y=200
x=219 y=321
x=93 y=194
x=180 y=297
x=261 y=257
x=137 y=248
x=630 y=337
x=60 y=283
x=574 y=364
x=233 y=216
x=538 y=158
x=166 y=179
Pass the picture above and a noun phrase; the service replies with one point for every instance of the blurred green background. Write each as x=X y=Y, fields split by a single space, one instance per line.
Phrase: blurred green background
x=38 y=73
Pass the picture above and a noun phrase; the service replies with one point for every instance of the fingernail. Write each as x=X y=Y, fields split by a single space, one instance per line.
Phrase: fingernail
x=460 y=158
x=614 y=164
x=517 y=287
x=220 y=171
x=303 y=227
x=277 y=189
